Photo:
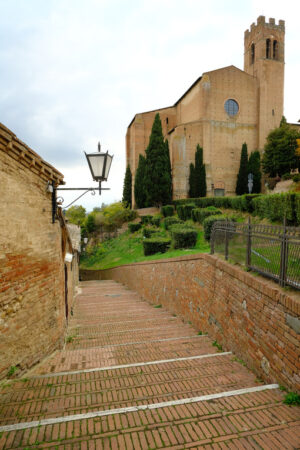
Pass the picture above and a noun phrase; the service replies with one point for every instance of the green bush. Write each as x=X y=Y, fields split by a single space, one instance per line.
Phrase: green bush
x=167 y=210
x=275 y=206
x=296 y=178
x=155 y=220
x=133 y=227
x=171 y=221
x=146 y=219
x=156 y=245
x=183 y=237
x=199 y=214
x=149 y=231
x=297 y=208
x=208 y=224
x=286 y=176
x=185 y=211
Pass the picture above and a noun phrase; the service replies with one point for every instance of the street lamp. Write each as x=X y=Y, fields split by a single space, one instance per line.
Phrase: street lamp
x=99 y=164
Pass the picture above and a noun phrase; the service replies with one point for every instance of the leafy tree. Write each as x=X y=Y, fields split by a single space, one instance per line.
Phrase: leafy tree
x=127 y=188
x=158 y=180
x=200 y=173
x=139 y=183
x=280 y=152
x=242 y=178
x=192 y=187
x=76 y=214
x=90 y=224
x=169 y=168
x=254 y=168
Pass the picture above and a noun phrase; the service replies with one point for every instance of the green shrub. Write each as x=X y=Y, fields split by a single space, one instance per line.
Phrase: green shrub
x=199 y=214
x=297 y=208
x=146 y=219
x=247 y=202
x=296 y=178
x=183 y=237
x=167 y=210
x=149 y=231
x=155 y=220
x=156 y=245
x=237 y=203
x=209 y=221
x=275 y=207
x=286 y=176
x=171 y=221
x=133 y=227
x=185 y=211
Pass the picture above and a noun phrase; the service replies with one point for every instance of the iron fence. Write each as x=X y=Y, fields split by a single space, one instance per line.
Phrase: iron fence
x=273 y=251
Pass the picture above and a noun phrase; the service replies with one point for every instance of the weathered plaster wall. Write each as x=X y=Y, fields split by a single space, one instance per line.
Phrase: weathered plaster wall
x=246 y=314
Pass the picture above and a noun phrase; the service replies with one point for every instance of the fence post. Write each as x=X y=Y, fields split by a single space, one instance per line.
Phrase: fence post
x=283 y=256
x=226 y=240
x=248 y=255
x=212 y=241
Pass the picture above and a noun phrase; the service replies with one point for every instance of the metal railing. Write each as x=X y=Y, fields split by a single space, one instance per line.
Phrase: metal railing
x=272 y=250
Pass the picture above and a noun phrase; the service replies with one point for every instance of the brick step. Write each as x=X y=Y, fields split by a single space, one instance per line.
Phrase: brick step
x=129 y=354
x=247 y=421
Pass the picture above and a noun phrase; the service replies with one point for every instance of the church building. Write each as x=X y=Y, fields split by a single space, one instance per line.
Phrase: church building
x=221 y=110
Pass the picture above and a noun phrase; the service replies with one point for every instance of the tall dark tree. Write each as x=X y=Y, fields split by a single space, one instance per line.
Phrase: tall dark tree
x=254 y=168
x=169 y=168
x=192 y=184
x=140 y=194
x=127 y=188
x=242 y=178
x=200 y=173
x=158 y=180
x=280 y=155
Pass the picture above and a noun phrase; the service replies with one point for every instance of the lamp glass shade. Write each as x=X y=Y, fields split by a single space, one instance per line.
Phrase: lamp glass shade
x=107 y=165
x=99 y=164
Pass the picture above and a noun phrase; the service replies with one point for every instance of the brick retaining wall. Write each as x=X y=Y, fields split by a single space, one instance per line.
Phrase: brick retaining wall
x=246 y=314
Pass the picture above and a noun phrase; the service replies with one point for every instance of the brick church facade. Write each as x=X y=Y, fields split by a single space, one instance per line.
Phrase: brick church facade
x=222 y=109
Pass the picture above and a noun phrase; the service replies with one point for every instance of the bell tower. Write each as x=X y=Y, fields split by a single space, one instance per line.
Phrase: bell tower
x=264 y=60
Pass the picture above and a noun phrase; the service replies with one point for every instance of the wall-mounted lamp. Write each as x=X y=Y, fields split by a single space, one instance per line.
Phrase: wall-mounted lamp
x=99 y=164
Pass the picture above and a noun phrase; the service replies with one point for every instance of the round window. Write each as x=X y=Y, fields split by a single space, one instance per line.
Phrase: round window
x=231 y=107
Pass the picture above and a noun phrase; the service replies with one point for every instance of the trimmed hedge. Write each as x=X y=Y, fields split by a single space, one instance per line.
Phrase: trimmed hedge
x=146 y=219
x=185 y=211
x=149 y=231
x=133 y=227
x=209 y=221
x=167 y=210
x=199 y=214
x=297 y=208
x=171 y=221
x=275 y=206
x=183 y=237
x=155 y=220
x=156 y=245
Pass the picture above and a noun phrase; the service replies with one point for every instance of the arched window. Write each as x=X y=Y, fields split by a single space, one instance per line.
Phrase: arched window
x=268 y=48
x=275 y=50
x=252 y=54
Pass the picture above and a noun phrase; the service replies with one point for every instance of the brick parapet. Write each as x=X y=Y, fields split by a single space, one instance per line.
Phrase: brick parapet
x=246 y=314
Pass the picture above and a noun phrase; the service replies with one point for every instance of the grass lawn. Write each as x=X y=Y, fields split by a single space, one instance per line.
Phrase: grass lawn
x=128 y=248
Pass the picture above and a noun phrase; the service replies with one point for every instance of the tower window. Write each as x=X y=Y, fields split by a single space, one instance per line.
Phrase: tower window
x=275 y=50
x=167 y=120
x=268 y=48
x=231 y=107
x=252 y=55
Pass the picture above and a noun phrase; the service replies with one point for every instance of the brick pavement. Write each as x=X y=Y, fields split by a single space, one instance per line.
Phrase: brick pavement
x=120 y=353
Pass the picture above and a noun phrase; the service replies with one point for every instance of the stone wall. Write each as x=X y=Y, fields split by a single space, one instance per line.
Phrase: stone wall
x=247 y=315
x=32 y=291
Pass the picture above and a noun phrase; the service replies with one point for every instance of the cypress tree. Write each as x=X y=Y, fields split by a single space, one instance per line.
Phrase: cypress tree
x=254 y=168
x=127 y=188
x=139 y=183
x=200 y=173
x=158 y=179
x=169 y=169
x=242 y=178
x=192 y=181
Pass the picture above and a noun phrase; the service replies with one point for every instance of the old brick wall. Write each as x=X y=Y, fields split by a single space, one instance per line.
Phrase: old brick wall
x=246 y=314
x=32 y=309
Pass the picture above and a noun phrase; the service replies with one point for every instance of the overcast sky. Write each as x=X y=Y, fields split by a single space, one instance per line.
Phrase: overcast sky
x=73 y=72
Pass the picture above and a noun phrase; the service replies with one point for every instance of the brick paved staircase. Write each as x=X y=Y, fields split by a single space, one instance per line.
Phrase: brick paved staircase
x=121 y=353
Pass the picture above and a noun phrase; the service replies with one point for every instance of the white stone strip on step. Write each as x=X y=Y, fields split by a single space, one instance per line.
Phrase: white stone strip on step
x=109 y=333
x=110 y=412
x=125 y=366
x=125 y=321
x=143 y=342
